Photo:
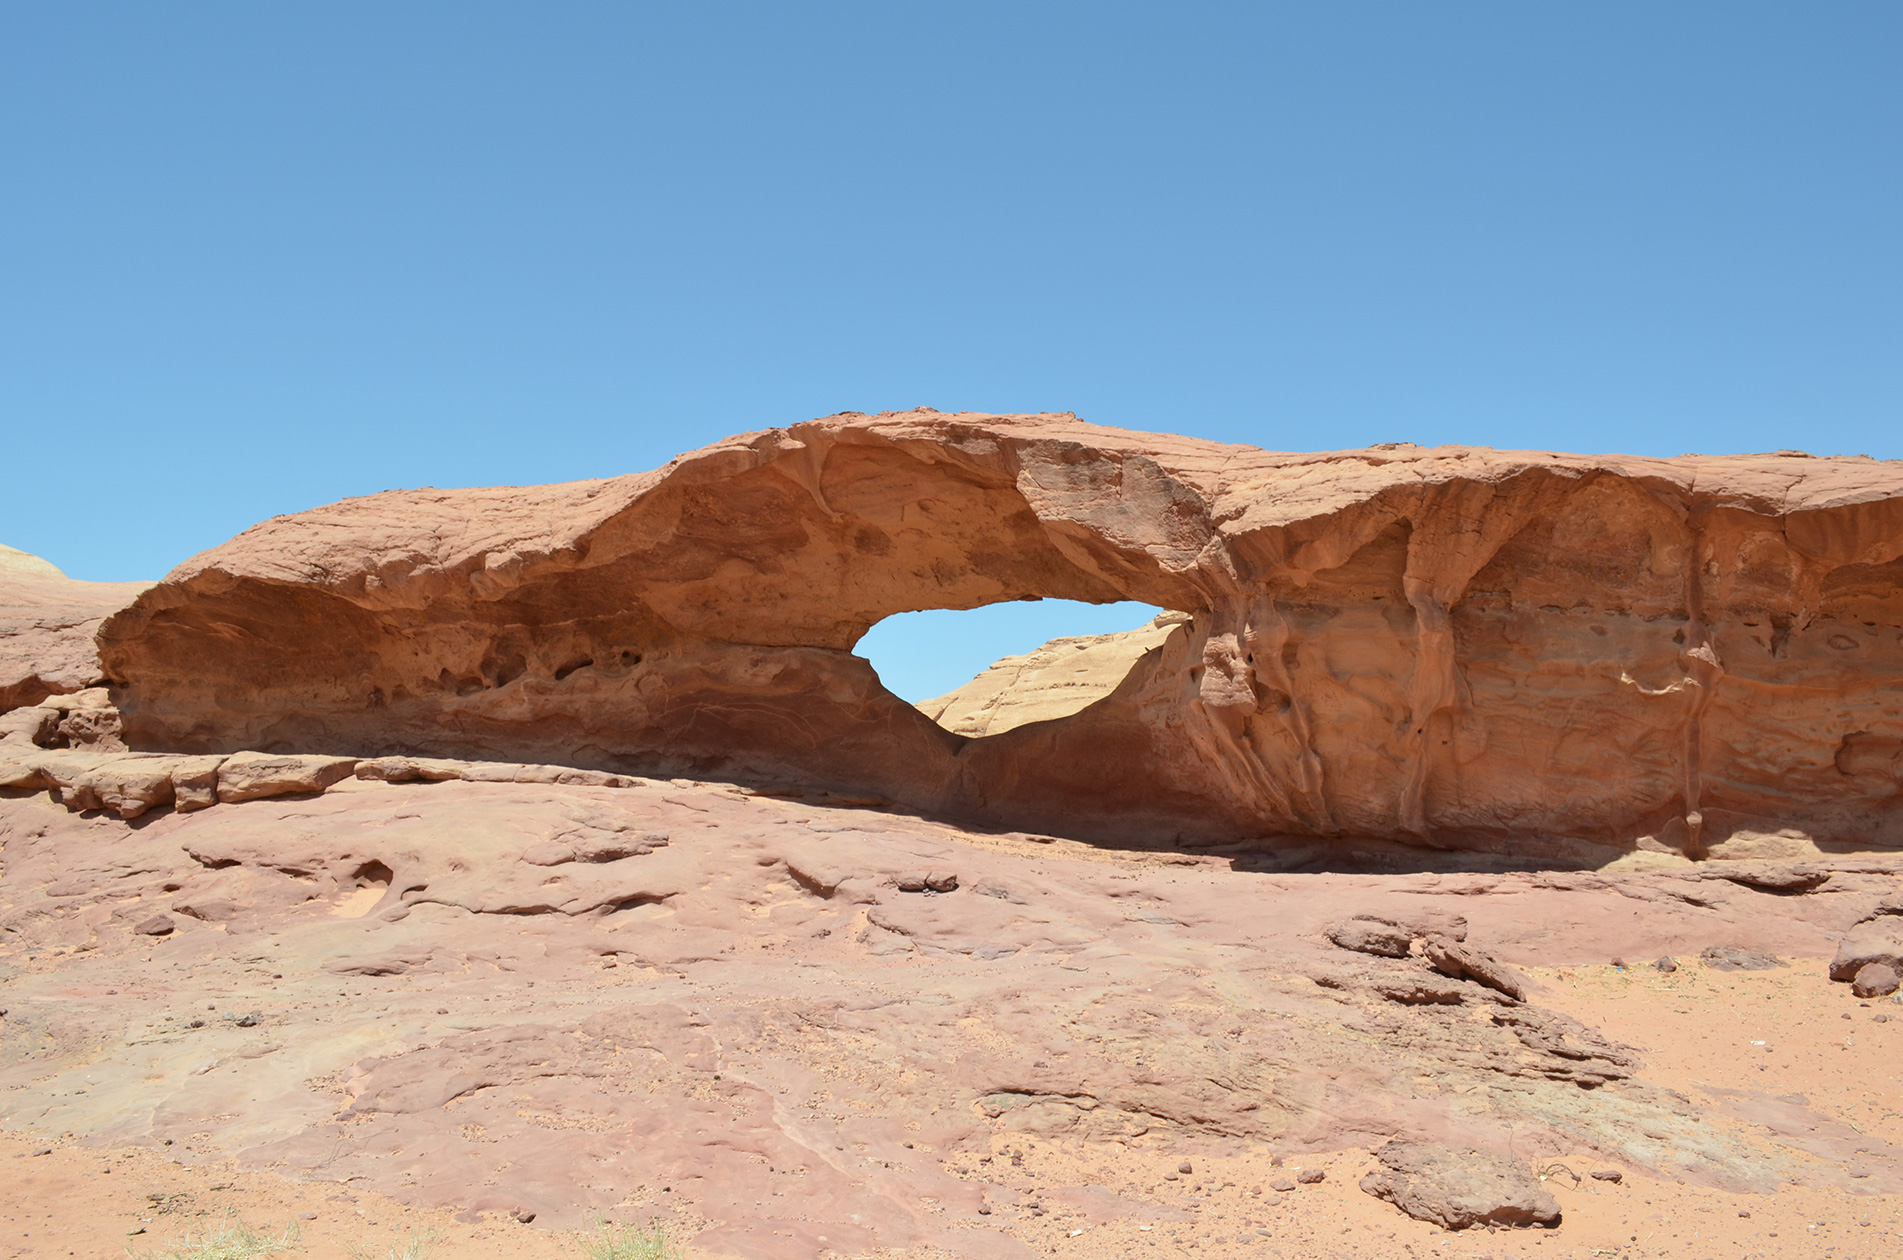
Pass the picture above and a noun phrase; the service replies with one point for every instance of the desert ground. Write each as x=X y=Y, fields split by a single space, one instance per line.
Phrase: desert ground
x=750 y=1035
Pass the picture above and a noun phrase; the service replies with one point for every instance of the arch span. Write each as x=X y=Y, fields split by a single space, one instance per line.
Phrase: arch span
x=1517 y=651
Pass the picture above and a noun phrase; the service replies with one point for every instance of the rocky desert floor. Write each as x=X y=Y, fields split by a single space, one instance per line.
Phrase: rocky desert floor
x=493 y=1012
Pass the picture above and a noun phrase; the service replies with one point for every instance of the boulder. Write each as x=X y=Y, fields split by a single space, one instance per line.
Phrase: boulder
x=1875 y=979
x=1456 y=1187
x=1878 y=940
x=250 y=776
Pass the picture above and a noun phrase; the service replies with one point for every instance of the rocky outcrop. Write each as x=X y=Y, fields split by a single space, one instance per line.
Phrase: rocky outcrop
x=1455 y=1188
x=47 y=624
x=1063 y=677
x=1534 y=654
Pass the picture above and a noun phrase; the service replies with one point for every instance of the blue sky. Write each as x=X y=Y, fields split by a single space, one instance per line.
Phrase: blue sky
x=258 y=257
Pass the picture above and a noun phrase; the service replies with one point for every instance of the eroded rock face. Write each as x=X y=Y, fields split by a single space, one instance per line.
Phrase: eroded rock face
x=1535 y=654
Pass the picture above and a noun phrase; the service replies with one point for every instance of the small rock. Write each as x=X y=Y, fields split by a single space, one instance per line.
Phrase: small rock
x=911 y=881
x=1874 y=980
x=1608 y=1174
x=1737 y=958
x=44 y=1150
x=1875 y=1019
x=1666 y=964
x=1311 y=1176
x=249 y=1020
x=523 y=1215
x=1744 y=1215
x=1283 y=1184
x=941 y=881
x=307 y=1216
x=1184 y=1168
x=157 y=925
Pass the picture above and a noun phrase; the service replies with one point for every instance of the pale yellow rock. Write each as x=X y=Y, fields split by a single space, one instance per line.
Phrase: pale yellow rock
x=1063 y=677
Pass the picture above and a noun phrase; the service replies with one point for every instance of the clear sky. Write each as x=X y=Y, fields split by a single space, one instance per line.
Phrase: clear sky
x=256 y=257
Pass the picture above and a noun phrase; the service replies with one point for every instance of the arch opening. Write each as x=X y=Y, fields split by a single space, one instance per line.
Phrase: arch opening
x=986 y=670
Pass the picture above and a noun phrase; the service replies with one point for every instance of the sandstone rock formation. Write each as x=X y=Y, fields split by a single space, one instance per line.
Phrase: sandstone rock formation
x=1454 y=1188
x=1056 y=680
x=1534 y=654
x=47 y=624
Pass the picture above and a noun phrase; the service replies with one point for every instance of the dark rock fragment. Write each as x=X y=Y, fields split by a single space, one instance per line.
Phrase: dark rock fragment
x=1311 y=1176
x=157 y=925
x=1667 y=964
x=1614 y=1175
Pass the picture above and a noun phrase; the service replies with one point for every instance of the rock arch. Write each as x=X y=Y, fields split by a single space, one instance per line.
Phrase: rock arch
x=1465 y=648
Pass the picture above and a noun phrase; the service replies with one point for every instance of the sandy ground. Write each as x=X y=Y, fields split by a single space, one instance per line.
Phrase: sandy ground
x=1698 y=1028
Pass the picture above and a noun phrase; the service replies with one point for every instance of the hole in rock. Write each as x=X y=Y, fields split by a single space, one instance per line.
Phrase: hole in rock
x=984 y=671
x=373 y=873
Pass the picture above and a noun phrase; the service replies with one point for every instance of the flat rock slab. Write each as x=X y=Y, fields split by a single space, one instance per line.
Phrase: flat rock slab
x=250 y=776
x=1733 y=958
x=1455 y=1187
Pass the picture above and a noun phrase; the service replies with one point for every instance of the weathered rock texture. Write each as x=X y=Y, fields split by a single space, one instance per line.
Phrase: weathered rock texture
x=1524 y=652
x=1455 y=1188
x=47 y=624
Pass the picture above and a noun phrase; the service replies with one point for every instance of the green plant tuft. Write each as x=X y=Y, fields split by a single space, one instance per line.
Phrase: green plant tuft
x=630 y=1242
x=229 y=1239
x=418 y=1247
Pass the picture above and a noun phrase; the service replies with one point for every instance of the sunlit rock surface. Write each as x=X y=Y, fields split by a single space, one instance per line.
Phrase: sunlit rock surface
x=1543 y=655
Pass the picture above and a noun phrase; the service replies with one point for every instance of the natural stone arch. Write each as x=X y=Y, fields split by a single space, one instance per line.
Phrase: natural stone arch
x=1365 y=655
